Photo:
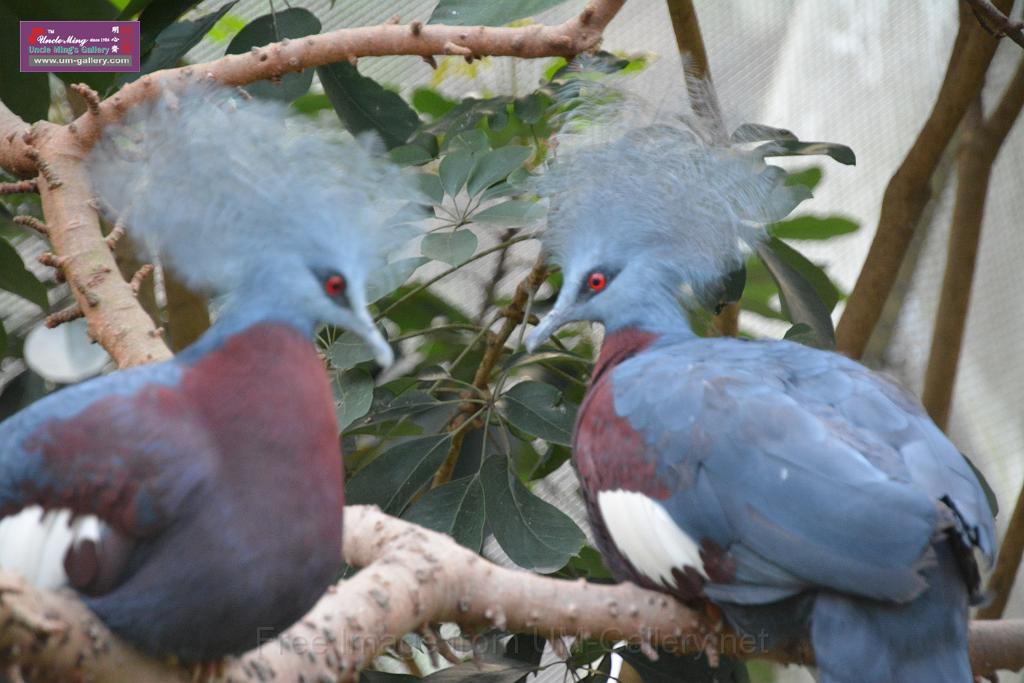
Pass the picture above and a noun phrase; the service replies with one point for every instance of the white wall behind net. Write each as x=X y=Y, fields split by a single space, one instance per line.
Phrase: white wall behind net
x=861 y=72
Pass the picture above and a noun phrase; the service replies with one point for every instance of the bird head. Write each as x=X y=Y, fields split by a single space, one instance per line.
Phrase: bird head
x=647 y=219
x=238 y=197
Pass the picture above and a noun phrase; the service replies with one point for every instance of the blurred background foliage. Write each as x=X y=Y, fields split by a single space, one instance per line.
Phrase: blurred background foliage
x=460 y=435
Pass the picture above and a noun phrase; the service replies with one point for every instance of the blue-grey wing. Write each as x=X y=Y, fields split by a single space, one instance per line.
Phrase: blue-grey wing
x=125 y=447
x=806 y=467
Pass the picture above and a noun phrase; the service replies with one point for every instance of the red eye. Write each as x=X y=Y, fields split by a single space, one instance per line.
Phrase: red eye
x=596 y=281
x=334 y=285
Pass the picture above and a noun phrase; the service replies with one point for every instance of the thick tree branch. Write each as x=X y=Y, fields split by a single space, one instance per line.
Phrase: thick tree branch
x=412 y=577
x=909 y=190
x=57 y=152
x=979 y=147
x=14 y=153
x=579 y=34
x=115 y=318
x=999 y=23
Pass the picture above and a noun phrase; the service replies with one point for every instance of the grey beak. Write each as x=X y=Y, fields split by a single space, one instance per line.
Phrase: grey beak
x=368 y=332
x=548 y=325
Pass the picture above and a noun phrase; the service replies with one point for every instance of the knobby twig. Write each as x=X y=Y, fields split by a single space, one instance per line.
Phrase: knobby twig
x=33 y=223
x=909 y=190
x=512 y=315
x=57 y=153
x=998 y=22
x=72 y=312
x=980 y=144
x=704 y=100
x=412 y=577
x=19 y=187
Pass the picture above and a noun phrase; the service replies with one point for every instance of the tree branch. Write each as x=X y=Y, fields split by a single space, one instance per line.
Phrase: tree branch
x=57 y=152
x=980 y=145
x=909 y=190
x=412 y=577
x=513 y=315
x=1000 y=23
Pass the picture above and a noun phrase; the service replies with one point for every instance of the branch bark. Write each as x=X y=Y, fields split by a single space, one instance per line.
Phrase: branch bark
x=909 y=190
x=982 y=139
x=57 y=153
x=412 y=577
x=1001 y=24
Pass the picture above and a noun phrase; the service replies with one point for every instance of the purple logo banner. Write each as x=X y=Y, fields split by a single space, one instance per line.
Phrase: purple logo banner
x=80 y=46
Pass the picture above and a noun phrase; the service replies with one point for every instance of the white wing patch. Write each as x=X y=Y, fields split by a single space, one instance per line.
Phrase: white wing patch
x=33 y=544
x=646 y=535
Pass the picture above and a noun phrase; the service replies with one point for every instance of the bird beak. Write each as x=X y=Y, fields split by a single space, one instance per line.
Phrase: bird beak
x=548 y=325
x=367 y=331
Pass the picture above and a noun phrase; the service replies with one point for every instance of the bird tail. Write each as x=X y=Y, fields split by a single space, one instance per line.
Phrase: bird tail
x=857 y=640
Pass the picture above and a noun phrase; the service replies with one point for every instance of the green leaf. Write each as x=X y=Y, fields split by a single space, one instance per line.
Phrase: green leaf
x=363 y=104
x=453 y=248
x=467 y=114
x=590 y=564
x=484 y=13
x=733 y=286
x=3 y=340
x=347 y=351
x=431 y=102
x=16 y=279
x=823 y=286
x=411 y=155
x=538 y=409
x=801 y=301
x=157 y=16
x=530 y=109
x=809 y=177
x=791 y=148
x=813 y=227
x=474 y=140
x=419 y=312
x=601 y=62
x=801 y=333
x=496 y=165
x=456 y=509
x=25 y=94
x=392 y=478
x=455 y=169
x=385 y=280
x=175 y=41
x=133 y=8
x=534 y=534
x=271 y=28
x=353 y=396
x=670 y=668
x=311 y=103
x=514 y=212
x=430 y=185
